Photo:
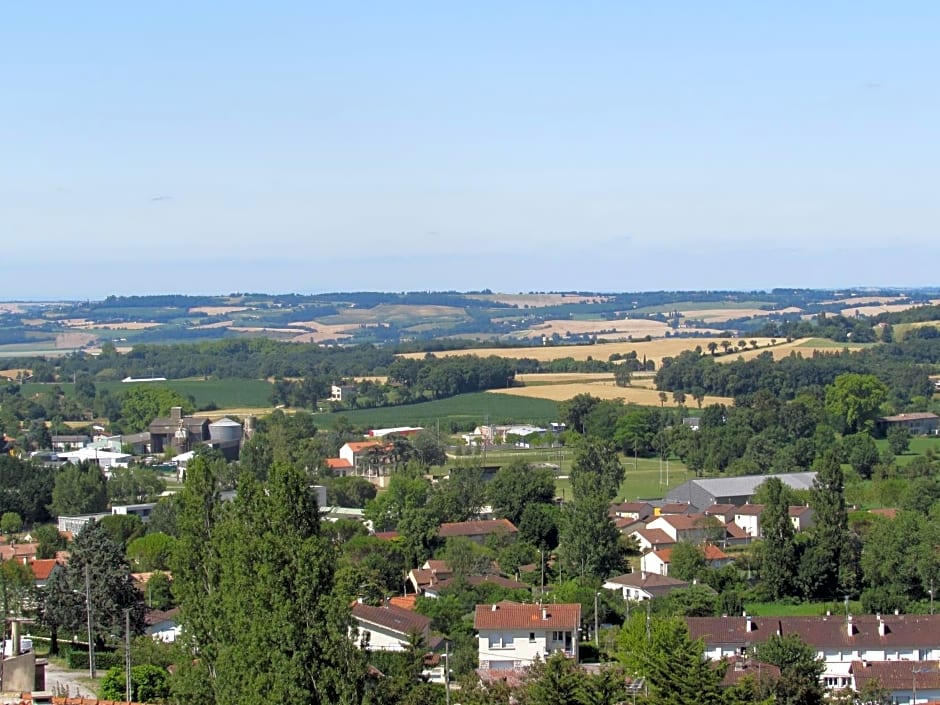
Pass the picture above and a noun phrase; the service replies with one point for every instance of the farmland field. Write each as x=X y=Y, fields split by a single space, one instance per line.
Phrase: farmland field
x=654 y=350
x=463 y=408
x=643 y=396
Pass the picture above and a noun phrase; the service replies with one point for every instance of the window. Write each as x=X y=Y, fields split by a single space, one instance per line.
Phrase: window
x=531 y=637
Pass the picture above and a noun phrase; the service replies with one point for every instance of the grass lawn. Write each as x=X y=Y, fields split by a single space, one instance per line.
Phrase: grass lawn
x=645 y=481
x=803 y=609
x=919 y=446
x=465 y=409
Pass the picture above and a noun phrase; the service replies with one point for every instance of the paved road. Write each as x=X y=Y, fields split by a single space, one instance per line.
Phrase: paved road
x=60 y=679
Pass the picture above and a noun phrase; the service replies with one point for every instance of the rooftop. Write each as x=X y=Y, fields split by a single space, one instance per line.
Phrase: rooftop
x=476 y=528
x=392 y=618
x=513 y=615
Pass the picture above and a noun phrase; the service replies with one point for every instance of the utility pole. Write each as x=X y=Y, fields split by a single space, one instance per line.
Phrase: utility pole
x=91 y=644
x=447 y=672
x=127 y=652
x=597 y=637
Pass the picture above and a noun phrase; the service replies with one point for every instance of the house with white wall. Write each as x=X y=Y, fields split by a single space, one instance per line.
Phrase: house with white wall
x=838 y=640
x=906 y=682
x=694 y=528
x=514 y=635
x=388 y=628
x=643 y=585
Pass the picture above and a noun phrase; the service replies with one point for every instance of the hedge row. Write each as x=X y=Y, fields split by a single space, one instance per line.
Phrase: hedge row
x=78 y=658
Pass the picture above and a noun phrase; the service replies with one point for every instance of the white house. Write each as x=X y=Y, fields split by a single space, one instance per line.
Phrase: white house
x=643 y=585
x=837 y=640
x=657 y=561
x=747 y=517
x=163 y=626
x=684 y=527
x=388 y=628
x=801 y=517
x=513 y=635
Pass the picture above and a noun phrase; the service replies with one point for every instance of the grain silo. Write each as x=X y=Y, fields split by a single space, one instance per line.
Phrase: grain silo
x=225 y=431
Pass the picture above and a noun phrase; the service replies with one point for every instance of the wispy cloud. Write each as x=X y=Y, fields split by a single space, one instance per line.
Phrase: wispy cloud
x=161 y=198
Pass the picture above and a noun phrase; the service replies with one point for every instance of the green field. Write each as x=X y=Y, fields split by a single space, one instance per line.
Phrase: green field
x=465 y=408
x=224 y=393
x=919 y=446
x=645 y=481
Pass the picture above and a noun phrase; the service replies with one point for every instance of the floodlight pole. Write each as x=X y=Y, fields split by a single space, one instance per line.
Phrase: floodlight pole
x=91 y=645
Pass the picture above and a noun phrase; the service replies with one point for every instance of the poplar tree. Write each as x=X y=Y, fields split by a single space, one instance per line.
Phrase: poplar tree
x=778 y=558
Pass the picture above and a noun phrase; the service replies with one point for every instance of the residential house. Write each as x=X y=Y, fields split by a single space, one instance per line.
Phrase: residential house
x=801 y=517
x=644 y=585
x=368 y=459
x=182 y=433
x=67 y=443
x=657 y=561
x=694 y=528
x=478 y=531
x=638 y=511
x=906 y=682
x=722 y=512
x=674 y=508
x=430 y=573
x=747 y=517
x=342 y=392
x=514 y=636
x=388 y=628
x=921 y=423
x=838 y=641
x=740 y=667
x=648 y=539
x=43 y=568
x=434 y=590
x=163 y=625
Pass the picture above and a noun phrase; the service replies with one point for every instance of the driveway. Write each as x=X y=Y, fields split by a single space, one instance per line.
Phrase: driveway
x=62 y=681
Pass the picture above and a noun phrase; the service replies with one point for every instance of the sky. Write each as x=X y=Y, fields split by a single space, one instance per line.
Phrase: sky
x=182 y=147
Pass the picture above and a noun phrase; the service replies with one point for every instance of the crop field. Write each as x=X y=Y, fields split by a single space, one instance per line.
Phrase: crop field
x=641 y=395
x=463 y=408
x=654 y=350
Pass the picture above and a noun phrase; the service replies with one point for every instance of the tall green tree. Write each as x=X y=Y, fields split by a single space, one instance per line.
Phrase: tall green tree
x=596 y=469
x=778 y=555
x=800 y=670
x=855 y=400
x=661 y=651
x=516 y=486
x=79 y=489
x=270 y=623
x=829 y=565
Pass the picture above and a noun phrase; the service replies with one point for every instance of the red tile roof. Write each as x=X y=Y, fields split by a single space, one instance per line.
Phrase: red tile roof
x=655 y=537
x=386 y=535
x=821 y=632
x=42 y=567
x=738 y=668
x=675 y=508
x=653 y=583
x=406 y=602
x=746 y=510
x=798 y=510
x=392 y=618
x=358 y=446
x=338 y=464
x=897 y=675
x=476 y=580
x=687 y=522
x=476 y=528
x=735 y=532
x=713 y=553
x=720 y=509
x=512 y=615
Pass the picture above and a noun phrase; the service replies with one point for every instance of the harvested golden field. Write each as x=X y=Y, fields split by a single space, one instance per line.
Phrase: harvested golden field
x=12 y=308
x=218 y=310
x=802 y=346
x=316 y=332
x=654 y=350
x=130 y=325
x=638 y=328
x=13 y=374
x=866 y=300
x=720 y=315
x=875 y=309
x=564 y=377
x=208 y=326
x=74 y=340
x=539 y=300
x=602 y=390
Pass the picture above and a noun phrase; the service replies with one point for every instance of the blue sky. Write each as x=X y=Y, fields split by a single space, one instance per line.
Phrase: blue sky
x=303 y=146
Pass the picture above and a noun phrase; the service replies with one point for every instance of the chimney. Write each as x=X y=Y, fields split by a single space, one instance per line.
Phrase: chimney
x=493 y=608
x=748 y=623
x=882 y=627
x=15 y=636
x=544 y=613
x=176 y=413
x=849 y=627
